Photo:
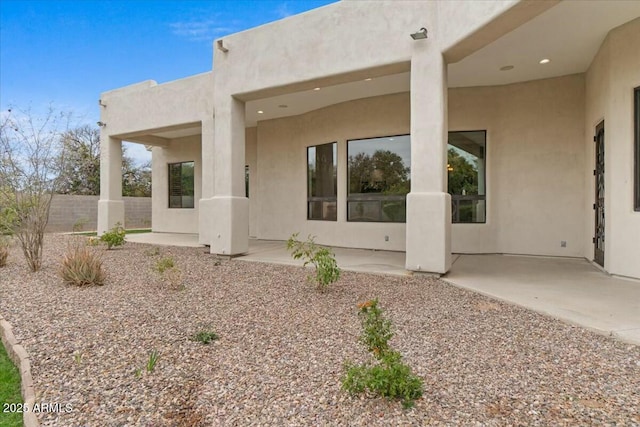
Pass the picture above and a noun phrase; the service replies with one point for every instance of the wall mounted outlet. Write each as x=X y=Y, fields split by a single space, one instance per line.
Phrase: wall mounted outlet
x=563 y=243
x=386 y=238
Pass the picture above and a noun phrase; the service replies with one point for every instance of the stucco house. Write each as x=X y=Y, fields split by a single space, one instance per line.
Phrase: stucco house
x=430 y=127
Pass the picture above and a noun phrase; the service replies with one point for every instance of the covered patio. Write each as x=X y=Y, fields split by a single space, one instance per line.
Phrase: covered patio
x=570 y=289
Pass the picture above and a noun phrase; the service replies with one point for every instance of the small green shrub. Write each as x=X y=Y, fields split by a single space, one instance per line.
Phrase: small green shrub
x=205 y=336
x=152 y=360
x=327 y=270
x=4 y=250
x=168 y=271
x=165 y=264
x=388 y=376
x=82 y=267
x=114 y=237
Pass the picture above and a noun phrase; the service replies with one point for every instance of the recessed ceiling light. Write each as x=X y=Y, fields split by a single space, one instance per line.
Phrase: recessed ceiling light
x=368 y=79
x=316 y=88
x=507 y=68
x=260 y=112
x=282 y=106
x=390 y=139
x=545 y=61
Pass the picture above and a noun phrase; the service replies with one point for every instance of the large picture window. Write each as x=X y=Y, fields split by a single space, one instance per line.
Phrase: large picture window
x=379 y=171
x=466 y=161
x=181 y=185
x=322 y=185
x=636 y=118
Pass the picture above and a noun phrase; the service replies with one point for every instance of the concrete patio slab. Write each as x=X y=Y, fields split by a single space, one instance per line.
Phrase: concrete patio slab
x=362 y=260
x=165 y=239
x=569 y=289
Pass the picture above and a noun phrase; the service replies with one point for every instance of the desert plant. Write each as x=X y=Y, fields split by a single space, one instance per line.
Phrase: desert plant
x=81 y=267
x=114 y=237
x=32 y=158
x=389 y=376
x=205 y=336
x=165 y=264
x=4 y=250
x=152 y=360
x=25 y=217
x=324 y=261
x=169 y=271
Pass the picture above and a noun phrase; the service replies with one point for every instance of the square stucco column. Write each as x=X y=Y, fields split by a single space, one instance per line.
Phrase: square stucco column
x=428 y=204
x=229 y=207
x=110 y=205
x=205 y=208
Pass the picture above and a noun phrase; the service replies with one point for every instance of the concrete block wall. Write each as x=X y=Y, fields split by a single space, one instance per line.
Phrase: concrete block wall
x=67 y=210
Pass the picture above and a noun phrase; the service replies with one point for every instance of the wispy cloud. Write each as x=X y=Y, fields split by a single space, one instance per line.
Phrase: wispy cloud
x=283 y=10
x=200 y=30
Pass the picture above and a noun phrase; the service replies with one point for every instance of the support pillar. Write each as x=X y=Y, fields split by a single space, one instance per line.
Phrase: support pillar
x=428 y=204
x=205 y=207
x=110 y=205
x=229 y=207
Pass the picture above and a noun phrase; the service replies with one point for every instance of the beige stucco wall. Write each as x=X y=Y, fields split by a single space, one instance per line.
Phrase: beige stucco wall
x=175 y=220
x=535 y=186
x=366 y=39
x=149 y=105
x=281 y=194
x=325 y=42
x=359 y=35
x=134 y=113
x=610 y=80
x=535 y=163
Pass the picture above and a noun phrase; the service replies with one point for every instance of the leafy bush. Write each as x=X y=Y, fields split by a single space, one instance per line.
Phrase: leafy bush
x=114 y=237
x=4 y=250
x=205 y=336
x=8 y=219
x=388 y=376
x=82 y=267
x=327 y=270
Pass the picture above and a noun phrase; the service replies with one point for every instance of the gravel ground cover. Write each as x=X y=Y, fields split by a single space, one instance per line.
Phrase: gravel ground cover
x=282 y=346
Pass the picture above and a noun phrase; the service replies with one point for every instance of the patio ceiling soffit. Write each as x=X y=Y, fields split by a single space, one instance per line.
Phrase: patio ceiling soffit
x=514 y=17
x=153 y=136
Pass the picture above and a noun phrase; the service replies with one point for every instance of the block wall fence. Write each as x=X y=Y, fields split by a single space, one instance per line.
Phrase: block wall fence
x=68 y=210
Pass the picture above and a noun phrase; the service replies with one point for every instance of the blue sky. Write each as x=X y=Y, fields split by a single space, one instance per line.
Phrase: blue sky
x=66 y=52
